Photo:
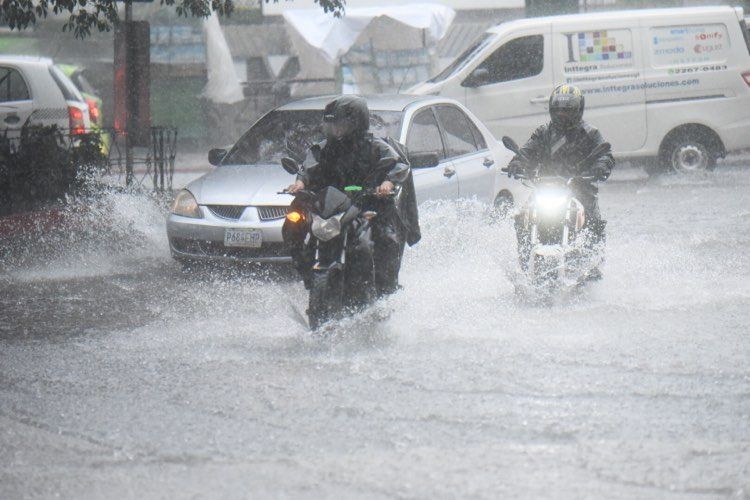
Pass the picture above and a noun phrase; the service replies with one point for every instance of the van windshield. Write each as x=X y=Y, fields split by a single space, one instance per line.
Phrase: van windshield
x=745 y=33
x=460 y=63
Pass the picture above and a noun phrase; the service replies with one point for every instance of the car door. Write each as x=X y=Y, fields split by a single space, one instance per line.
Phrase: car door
x=509 y=89
x=466 y=148
x=16 y=105
x=423 y=137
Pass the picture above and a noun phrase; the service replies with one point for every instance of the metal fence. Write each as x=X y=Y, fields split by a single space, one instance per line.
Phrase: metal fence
x=151 y=165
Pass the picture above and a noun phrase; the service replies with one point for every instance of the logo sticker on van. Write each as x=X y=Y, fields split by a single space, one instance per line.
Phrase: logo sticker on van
x=679 y=45
x=594 y=50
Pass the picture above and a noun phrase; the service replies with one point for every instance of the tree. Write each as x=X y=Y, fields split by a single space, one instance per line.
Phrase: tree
x=85 y=15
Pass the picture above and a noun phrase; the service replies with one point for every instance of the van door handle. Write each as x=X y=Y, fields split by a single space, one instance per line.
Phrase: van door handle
x=449 y=172
x=12 y=119
x=538 y=99
x=488 y=162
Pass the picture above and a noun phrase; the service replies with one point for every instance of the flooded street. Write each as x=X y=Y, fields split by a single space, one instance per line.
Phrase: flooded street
x=123 y=376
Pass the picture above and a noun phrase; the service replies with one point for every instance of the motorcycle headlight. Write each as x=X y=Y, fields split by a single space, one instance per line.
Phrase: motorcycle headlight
x=185 y=205
x=551 y=201
x=326 y=229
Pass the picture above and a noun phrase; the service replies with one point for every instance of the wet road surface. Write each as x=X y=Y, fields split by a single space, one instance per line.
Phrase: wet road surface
x=122 y=376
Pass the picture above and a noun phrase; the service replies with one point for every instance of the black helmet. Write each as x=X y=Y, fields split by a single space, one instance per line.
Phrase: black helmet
x=566 y=106
x=345 y=116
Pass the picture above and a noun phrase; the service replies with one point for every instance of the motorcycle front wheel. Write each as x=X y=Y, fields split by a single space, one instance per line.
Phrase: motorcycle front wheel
x=326 y=299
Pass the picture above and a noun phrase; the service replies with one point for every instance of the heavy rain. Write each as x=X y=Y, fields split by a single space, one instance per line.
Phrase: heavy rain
x=158 y=341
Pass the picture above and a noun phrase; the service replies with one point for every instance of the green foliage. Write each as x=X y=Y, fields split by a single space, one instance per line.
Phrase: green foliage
x=44 y=165
x=87 y=15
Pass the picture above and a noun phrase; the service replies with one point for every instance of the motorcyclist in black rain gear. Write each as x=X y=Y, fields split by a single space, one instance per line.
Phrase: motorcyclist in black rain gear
x=352 y=156
x=559 y=147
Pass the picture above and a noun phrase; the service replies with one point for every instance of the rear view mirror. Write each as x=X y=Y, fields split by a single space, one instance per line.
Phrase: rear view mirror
x=511 y=144
x=290 y=165
x=424 y=160
x=477 y=78
x=215 y=156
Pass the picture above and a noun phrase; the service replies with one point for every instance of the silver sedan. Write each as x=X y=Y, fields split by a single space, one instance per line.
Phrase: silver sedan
x=234 y=212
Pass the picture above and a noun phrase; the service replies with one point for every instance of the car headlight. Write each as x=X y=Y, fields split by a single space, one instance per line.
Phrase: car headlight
x=326 y=229
x=185 y=205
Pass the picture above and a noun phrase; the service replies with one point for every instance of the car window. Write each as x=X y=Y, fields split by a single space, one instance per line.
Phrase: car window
x=290 y=133
x=478 y=137
x=69 y=91
x=458 y=132
x=519 y=58
x=424 y=135
x=12 y=86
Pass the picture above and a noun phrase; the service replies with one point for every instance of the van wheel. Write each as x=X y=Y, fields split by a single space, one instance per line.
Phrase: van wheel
x=684 y=154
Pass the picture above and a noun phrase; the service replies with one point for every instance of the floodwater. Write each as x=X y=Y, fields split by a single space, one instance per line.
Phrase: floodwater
x=121 y=376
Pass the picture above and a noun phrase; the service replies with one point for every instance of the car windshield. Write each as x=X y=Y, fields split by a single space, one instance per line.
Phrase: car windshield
x=291 y=133
x=461 y=61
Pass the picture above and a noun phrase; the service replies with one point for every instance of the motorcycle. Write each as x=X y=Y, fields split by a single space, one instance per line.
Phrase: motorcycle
x=553 y=249
x=342 y=269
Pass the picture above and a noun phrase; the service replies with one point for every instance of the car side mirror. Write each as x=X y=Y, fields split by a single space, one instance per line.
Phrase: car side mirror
x=290 y=165
x=424 y=160
x=511 y=144
x=477 y=78
x=215 y=156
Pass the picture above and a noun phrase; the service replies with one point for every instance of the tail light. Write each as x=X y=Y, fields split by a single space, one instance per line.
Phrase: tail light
x=93 y=111
x=76 y=123
x=746 y=77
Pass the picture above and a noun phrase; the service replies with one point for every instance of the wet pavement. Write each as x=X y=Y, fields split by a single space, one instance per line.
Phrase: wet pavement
x=124 y=376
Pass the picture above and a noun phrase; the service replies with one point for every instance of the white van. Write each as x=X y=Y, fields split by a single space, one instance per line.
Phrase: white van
x=670 y=85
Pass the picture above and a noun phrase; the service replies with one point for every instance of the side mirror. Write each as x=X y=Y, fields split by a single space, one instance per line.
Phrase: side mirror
x=477 y=78
x=511 y=144
x=290 y=165
x=424 y=160
x=215 y=156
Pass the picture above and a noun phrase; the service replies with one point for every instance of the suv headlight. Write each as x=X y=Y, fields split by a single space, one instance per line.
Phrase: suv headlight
x=185 y=205
x=326 y=229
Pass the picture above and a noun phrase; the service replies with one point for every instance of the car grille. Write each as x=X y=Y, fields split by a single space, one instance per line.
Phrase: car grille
x=209 y=248
x=231 y=212
x=272 y=213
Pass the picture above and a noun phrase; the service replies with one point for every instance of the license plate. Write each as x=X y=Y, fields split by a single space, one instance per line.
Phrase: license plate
x=250 y=238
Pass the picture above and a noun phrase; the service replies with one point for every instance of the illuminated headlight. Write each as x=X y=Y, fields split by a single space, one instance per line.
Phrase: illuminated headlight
x=551 y=201
x=326 y=229
x=185 y=205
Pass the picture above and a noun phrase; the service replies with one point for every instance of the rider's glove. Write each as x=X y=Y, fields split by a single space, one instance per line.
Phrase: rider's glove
x=513 y=170
x=600 y=172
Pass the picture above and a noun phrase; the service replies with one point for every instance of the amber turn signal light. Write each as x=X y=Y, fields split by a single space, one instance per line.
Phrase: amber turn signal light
x=294 y=216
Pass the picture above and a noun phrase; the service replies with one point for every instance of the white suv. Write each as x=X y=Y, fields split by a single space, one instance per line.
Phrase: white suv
x=33 y=91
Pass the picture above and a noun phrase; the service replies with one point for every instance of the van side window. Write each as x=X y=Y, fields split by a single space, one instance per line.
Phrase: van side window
x=12 y=86
x=516 y=59
x=424 y=135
